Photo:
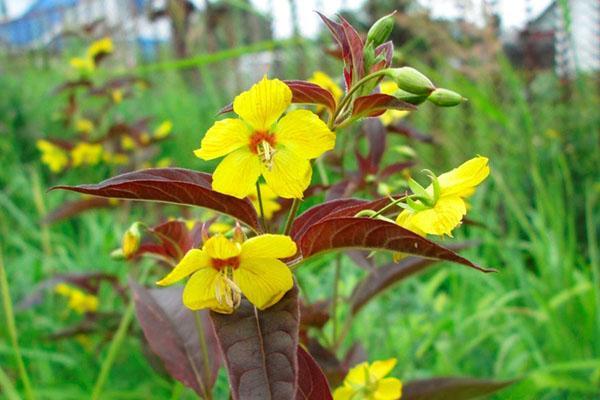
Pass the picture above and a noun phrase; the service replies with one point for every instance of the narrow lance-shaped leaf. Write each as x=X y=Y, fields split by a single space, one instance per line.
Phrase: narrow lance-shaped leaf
x=339 y=233
x=444 y=388
x=260 y=348
x=312 y=383
x=171 y=185
x=378 y=103
x=172 y=333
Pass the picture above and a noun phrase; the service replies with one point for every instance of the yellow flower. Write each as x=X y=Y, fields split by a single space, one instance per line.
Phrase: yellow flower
x=322 y=79
x=163 y=130
x=127 y=142
x=448 y=211
x=86 y=153
x=101 y=46
x=164 y=162
x=145 y=138
x=269 y=201
x=78 y=301
x=131 y=240
x=115 y=158
x=84 y=65
x=84 y=126
x=53 y=156
x=262 y=143
x=390 y=116
x=367 y=382
x=117 y=96
x=224 y=269
x=219 y=227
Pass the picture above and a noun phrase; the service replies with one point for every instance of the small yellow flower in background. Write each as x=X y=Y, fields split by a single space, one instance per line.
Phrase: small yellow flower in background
x=117 y=96
x=450 y=207
x=367 y=382
x=164 y=162
x=269 y=201
x=224 y=269
x=84 y=65
x=115 y=158
x=84 y=126
x=145 y=138
x=163 y=130
x=219 y=227
x=53 y=156
x=127 y=142
x=86 y=153
x=322 y=79
x=131 y=240
x=262 y=143
x=390 y=116
x=78 y=301
x=101 y=46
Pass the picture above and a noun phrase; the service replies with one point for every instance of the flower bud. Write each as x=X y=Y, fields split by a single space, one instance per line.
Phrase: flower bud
x=238 y=233
x=381 y=30
x=445 y=98
x=131 y=240
x=411 y=80
x=411 y=98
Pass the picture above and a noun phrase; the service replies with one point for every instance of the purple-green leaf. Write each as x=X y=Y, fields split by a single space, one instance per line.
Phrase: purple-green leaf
x=455 y=388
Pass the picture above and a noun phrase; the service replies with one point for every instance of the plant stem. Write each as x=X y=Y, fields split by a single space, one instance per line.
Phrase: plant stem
x=204 y=348
x=334 y=297
x=261 y=207
x=393 y=203
x=116 y=343
x=348 y=96
x=291 y=216
x=12 y=331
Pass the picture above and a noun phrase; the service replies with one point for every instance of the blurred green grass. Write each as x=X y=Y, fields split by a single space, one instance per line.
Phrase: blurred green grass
x=537 y=319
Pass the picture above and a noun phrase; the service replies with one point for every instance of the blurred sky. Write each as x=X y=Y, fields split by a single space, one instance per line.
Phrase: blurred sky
x=513 y=12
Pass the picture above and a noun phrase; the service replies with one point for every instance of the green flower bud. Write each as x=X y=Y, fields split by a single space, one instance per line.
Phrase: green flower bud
x=445 y=98
x=381 y=30
x=411 y=80
x=411 y=98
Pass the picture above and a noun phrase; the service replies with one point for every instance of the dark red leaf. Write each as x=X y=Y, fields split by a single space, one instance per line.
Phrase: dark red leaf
x=260 y=348
x=404 y=129
x=355 y=47
x=170 y=329
x=381 y=278
x=315 y=314
x=72 y=85
x=76 y=207
x=376 y=104
x=444 y=388
x=311 y=93
x=312 y=383
x=376 y=134
x=338 y=34
x=386 y=50
x=373 y=234
x=171 y=185
x=395 y=168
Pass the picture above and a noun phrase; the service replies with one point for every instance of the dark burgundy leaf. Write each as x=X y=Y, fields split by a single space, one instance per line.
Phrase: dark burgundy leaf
x=454 y=388
x=170 y=329
x=355 y=47
x=171 y=185
x=308 y=92
x=404 y=129
x=260 y=348
x=331 y=366
x=72 y=85
x=76 y=207
x=338 y=233
x=381 y=278
x=339 y=35
x=376 y=134
x=315 y=314
x=395 y=168
x=377 y=103
x=312 y=383
x=386 y=50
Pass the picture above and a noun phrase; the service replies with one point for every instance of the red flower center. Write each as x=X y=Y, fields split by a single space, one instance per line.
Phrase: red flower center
x=219 y=264
x=257 y=138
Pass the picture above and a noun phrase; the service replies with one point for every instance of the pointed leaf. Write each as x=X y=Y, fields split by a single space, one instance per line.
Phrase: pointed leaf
x=451 y=388
x=171 y=332
x=312 y=383
x=311 y=93
x=386 y=50
x=355 y=47
x=76 y=207
x=171 y=185
x=338 y=233
x=260 y=348
x=381 y=278
x=377 y=103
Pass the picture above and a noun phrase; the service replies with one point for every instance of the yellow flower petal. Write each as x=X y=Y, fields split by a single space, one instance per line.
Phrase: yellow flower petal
x=268 y=245
x=461 y=181
x=343 y=393
x=263 y=281
x=193 y=261
x=237 y=174
x=358 y=376
x=200 y=291
x=379 y=369
x=303 y=133
x=289 y=175
x=325 y=81
x=388 y=389
x=446 y=215
x=222 y=138
x=263 y=104
x=220 y=247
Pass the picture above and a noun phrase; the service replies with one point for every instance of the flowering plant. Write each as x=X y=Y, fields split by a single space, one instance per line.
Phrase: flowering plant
x=241 y=306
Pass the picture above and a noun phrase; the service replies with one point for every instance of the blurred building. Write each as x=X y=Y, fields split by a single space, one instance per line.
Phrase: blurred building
x=564 y=37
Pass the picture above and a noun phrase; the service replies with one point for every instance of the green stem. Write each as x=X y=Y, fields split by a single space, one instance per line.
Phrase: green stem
x=291 y=216
x=261 y=207
x=204 y=349
x=116 y=343
x=12 y=331
x=393 y=203
x=334 y=297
